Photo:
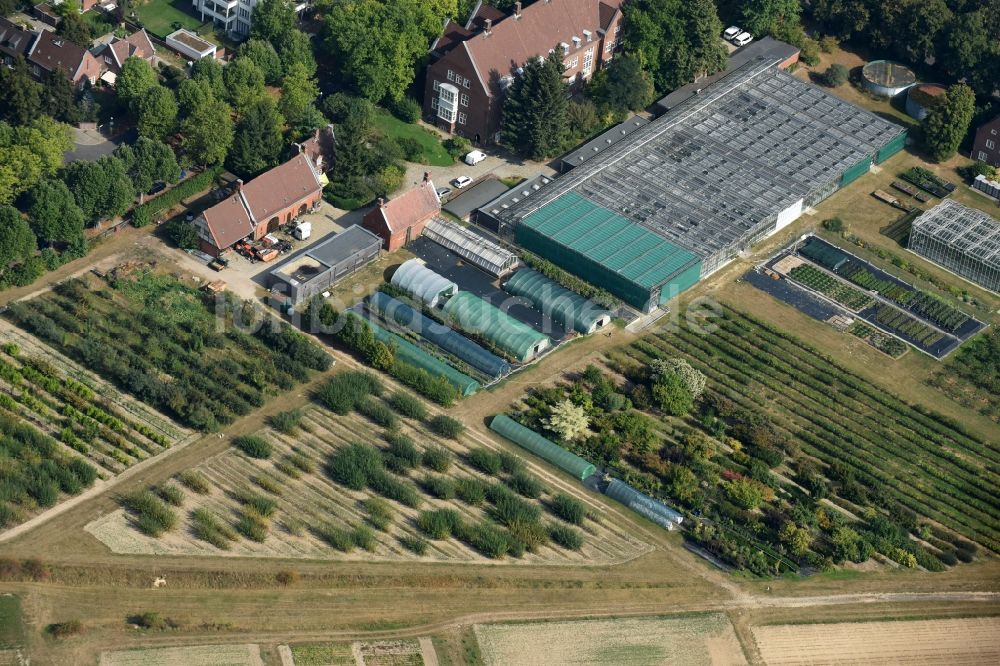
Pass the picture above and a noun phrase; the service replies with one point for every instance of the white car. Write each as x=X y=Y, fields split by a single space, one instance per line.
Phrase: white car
x=742 y=39
x=731 y=32
x=475 y=157
x=462 y=181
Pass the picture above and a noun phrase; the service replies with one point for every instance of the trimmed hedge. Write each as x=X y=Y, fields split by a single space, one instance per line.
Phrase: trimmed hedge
x=143 y=215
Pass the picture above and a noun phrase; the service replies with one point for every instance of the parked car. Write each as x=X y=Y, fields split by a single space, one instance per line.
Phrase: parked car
x=462 y=181
x=731 y=32
x=157 y=187
x=475 y=157
x=442 y=192
x=743 y=39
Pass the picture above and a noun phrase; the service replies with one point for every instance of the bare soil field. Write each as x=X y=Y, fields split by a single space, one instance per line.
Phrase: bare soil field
x=957 y=641
x=313 y=500
x=701 y=639
x=202 y=655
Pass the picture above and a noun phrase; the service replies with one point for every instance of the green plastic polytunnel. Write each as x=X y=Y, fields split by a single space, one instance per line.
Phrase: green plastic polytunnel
x=475 y=315
x=541 y=447
x=417 y=357
x=566 y=307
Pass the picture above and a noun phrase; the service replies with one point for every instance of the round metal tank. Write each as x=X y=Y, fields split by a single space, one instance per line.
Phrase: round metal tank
x=886 y=78
x=920 y=98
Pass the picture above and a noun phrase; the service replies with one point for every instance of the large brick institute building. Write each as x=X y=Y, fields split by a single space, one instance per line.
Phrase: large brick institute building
x=473 y=64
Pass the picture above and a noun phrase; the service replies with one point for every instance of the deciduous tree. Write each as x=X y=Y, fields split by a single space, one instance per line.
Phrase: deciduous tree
x=948 y=120
x=17 y=241
x=622 y=86
x=244 y=83
x=135 y=79
x=262 y=54
x=273 y=21
x=298 y=98
x=258 y=143
x=567 y=420
x=102 y=189
x=207 y=131
x=156 y=113
x=53 y=213
x=21 y=101
x=147 y=161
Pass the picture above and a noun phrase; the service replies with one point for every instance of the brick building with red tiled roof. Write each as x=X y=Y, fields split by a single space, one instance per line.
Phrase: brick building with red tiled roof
x=114 y=54
x=400 y=220
x=259 y=207
x=51 y=53
x=473 y=64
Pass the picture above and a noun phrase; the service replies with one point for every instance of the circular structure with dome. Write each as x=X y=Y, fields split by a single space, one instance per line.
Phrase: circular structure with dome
x=886 y=78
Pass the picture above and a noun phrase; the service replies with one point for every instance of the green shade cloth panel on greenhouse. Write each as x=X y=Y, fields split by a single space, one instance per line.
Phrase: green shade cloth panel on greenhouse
x=541 y=447
x=475 y=315
x=824 y=255
x=856 y=171
x=610 y=240
x=891 y=148
x=568 y=308
x=408 y=352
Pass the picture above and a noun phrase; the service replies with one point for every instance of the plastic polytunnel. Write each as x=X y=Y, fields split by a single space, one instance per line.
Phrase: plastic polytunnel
x=396 y=311
x=415 y=278
x=410 y=353
x=541 y=447
x=568 y=308
x=475 y=315
x=656 y=511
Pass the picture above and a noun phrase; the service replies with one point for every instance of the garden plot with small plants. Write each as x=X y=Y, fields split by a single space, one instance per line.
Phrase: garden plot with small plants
x=364 y=474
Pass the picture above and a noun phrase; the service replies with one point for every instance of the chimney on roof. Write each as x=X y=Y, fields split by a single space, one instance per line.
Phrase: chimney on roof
x=316 y=134
x=381 y=202
x=427 y=176
x=239 y=185
x=301 y=148
x=517 y=9
x=489 y=26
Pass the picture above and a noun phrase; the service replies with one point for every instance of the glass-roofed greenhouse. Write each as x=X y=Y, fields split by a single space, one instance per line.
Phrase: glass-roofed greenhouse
x=513 y=337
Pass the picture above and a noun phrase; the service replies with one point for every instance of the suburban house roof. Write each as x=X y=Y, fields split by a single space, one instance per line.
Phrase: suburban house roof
x=52 y=52
x=228 y=221
x=989 y=125
x=14 y=40
x=254 y=203
x=540 y=27
x=281 y=187
x=319 y=148
x=137 y=44
x=408 y=208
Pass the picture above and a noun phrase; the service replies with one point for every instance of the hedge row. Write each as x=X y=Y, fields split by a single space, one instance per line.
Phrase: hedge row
x=143 y=214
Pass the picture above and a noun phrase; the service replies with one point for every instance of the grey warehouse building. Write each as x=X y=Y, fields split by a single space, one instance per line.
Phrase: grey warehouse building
x=323 y=265
x=964 y=240
x=734 y=162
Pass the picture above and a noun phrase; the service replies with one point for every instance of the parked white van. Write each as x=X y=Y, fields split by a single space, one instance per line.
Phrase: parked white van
x=475 y=157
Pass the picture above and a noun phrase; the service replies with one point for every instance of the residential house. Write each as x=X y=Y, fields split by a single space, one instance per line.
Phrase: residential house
x=15 y=42
x=400 y=220
x=473 y=64
x=113 y=55
x=50 y=52
x=319 y=148
x=261 y=206
x=234 y=16
x=986 y=145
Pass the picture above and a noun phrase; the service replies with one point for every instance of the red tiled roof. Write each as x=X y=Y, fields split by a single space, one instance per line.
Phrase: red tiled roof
x=51 y=52
x=280 y=187
x=14 y=41
x=228 y=221
x=410 y=207
x=142 y=45
x=542 y=26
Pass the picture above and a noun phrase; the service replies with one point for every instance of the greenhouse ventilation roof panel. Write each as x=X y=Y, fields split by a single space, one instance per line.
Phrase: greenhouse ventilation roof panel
x=541 y=447
x=564 y=306
x=475 y=315
x=469 y=245
x=423 y=283
x=608 y=239
x=410 y=353
x=455 y=344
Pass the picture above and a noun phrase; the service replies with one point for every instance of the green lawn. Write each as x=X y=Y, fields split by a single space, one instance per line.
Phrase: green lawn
x=97 y=22
x=433 y=152
x=159 y=16
x=11 y=626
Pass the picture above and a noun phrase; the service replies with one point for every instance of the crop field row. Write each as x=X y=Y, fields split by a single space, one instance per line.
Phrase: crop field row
x=307 y=515
x=922 y=461
x=902 y=323
x=222 y=357
x=829 y=286
x=877 y=339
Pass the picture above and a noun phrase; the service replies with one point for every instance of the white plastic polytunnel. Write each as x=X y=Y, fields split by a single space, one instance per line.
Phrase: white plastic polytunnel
x=416 y=279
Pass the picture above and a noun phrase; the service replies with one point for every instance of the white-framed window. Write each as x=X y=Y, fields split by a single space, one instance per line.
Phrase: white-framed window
x=618 y=28
x=570 y=64
x=107 y=59
x=463 y=99
x=982 y=156
x=465 y=83
x=990 y=144
x=437 y=85
x=588 y=61
x=434 y=102
x=610 y=46
x=461 y=118
x=993 y=132
x=451 y=75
